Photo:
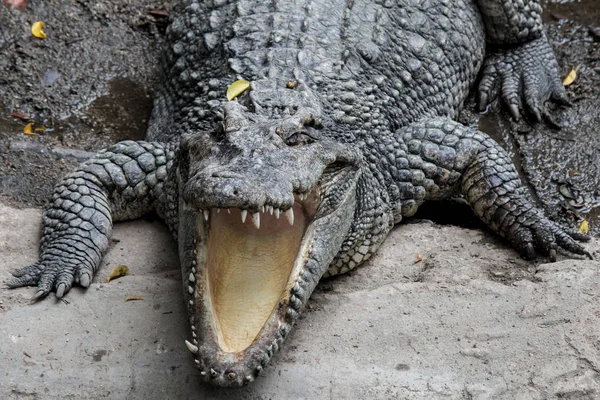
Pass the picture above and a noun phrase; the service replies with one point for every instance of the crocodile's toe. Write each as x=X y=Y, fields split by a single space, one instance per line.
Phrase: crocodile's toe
x=535 y=234
x=50 y=277
x=526 y=77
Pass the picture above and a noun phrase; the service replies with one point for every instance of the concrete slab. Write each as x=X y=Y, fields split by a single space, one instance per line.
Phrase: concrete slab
x=470 y=321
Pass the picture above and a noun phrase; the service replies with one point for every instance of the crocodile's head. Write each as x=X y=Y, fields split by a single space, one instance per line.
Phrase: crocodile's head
x=264 y=208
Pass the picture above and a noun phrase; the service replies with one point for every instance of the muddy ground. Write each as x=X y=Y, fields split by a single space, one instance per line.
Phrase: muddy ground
x=89 y=83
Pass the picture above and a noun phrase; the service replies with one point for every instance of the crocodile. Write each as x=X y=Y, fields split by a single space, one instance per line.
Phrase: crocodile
x=342 y=126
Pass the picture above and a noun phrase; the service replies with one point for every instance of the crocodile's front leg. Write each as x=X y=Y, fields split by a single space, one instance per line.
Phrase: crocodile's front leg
x=123 y=182
x=438 y=157
x=520 y=64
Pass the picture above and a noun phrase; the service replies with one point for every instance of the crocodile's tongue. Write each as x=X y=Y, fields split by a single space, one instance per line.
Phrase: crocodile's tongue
x=248 y=270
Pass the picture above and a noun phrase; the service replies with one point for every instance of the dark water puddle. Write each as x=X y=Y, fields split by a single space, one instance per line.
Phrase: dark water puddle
x=124 y=112
x=30 y=165
x=585 y=12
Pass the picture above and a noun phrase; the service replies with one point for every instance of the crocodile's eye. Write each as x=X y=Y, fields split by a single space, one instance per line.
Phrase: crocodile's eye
x=305 y=136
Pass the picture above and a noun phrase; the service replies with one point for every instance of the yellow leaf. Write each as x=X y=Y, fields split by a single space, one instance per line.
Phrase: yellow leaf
x=571 y=77
x=40 y=128
x=28 y=130
x=237 y=88
x=583 y=227
x=118 y=272
x=36 y=30
x=132 y=298
x=419 y=258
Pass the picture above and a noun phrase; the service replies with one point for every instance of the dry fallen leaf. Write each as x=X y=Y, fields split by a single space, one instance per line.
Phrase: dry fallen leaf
x=159 y=13
x=28 y=130
x=36 y=30
x=132 y=298
x=19 y=115
x=237 y=88
x=583 y=227
x=15 y=3
x=39 y=129
x=419 y=258
x=570 y=78
x=118 y=272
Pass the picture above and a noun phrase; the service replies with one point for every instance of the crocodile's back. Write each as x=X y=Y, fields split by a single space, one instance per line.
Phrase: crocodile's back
x=370 y=65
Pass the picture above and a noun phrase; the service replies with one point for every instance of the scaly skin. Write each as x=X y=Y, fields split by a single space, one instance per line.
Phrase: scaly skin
x=521 y=65
x=351 y=104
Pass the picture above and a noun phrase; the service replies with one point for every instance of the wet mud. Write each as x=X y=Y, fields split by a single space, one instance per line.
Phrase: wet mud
x=559 y=165
x=89 y=83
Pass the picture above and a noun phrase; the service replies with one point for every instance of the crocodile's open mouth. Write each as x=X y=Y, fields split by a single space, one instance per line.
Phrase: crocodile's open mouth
x=250 y=275
x=252 y=261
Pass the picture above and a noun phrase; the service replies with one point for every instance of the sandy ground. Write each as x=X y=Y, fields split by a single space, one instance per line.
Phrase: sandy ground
x=470 y=321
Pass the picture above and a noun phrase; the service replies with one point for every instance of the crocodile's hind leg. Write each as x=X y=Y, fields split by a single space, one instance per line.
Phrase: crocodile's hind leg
x=520 y=65
x=122 y=182
x=443 y=157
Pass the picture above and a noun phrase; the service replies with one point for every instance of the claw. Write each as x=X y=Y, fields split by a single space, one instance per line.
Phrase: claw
x=483 y=98
x=579 y=236
x=553 y=253
x=550 y=121
x=588 y=255
x=39 y=294
x=530 y=251
x=514 y=111
x=84 y=280
x=60 y=290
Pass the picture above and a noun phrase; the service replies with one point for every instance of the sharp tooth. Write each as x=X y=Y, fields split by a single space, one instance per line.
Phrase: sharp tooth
x=277 y=211
x=256 y=220
x=263 y=209
x=191 y=347
x=218 y=210
x=203 y=373
x=289 y=215
x=228 y=211
x=191 y=289
x=271 y=210
x=197 y=361
x=192 y=278
x=244 y=215
x=206 y=214
x=194 y=335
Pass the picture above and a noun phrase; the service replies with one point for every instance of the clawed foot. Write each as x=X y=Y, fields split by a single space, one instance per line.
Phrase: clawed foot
x=50 y=277
x=534 y=233
x=526 y=76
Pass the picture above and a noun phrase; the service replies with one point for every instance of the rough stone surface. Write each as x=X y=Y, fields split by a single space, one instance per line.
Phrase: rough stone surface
x=470 y=321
